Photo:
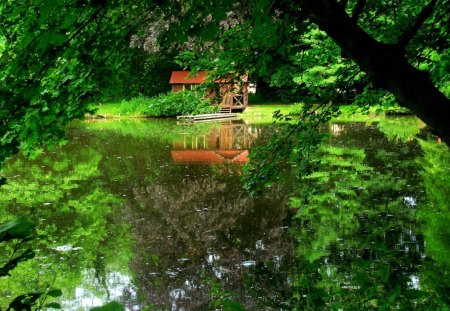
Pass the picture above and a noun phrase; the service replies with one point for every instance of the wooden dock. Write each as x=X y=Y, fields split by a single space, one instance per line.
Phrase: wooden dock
x=206 y=117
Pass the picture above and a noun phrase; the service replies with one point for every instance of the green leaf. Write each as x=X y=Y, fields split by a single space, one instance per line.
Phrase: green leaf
x=55 y=293
x=16 y=229
x=53 y=305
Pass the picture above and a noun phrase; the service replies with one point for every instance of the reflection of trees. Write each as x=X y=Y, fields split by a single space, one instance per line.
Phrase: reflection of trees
x=403 y=128
x=188 y=226
x=62 y=195
x=360 y=245
x=183 y=224
x=360 y=239
x=435 y=215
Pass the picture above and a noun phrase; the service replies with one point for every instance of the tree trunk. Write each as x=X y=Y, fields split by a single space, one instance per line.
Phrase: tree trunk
x=386 y=65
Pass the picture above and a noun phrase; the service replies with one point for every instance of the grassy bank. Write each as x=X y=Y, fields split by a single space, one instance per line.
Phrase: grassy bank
x=165 y=105
x=121 y=109
x=170 y=105
x=263 y=113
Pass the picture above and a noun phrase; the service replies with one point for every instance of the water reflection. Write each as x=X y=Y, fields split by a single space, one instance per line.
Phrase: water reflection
x=203 y=226
x=166 y=230
x=227 y=143
x=361 y=244
x=127 y=213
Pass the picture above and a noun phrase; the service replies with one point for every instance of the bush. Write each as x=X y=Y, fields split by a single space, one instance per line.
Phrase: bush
x=180 y=103
x=165 y=105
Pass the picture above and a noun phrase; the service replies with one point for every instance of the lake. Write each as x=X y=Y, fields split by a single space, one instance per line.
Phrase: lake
x=153 y=214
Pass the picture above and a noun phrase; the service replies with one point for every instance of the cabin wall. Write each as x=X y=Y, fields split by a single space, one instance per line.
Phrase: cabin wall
x=177 y=87
x=180 y=87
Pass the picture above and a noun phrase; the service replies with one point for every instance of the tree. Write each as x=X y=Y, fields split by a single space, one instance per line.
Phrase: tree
x=56 y=55
x=386 y=64
x=389 y=52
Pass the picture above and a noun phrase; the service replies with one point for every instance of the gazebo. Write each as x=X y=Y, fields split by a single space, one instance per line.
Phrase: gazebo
x=233 y=96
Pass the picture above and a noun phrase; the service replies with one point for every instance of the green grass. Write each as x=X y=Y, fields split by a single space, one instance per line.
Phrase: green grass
x=134 y=108
x=261 y=113
x=264 y=113
x=164 y=105
x=352 y=113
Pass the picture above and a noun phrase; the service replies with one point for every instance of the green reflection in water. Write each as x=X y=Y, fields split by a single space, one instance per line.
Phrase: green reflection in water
x=403 y=128
x=435 y=216
x=363 y=230
x=152 y=214
x=77 y=251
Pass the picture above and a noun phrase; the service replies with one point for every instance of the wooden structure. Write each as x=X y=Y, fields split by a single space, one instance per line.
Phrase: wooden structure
x=233 y=96
x=206 y=117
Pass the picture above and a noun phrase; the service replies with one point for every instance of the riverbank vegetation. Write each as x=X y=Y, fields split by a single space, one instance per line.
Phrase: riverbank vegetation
x=314 y=61
x=169 y=104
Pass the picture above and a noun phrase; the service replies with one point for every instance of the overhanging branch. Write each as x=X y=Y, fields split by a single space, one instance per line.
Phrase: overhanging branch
x=426 y=12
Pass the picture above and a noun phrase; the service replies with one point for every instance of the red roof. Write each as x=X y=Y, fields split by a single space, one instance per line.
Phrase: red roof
x=185 y=77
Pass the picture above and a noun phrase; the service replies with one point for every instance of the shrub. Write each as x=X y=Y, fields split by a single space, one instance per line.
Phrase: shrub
x=180 y=103
x=165 y=105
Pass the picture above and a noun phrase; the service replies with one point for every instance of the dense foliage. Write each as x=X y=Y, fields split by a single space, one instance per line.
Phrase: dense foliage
x=169 y=104
x=14 y=237
x=179 y=103
x=57 y=56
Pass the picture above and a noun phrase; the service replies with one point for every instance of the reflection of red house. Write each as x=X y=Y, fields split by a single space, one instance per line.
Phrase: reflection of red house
x=225 y=143
x=209 y=156
x=234 y=96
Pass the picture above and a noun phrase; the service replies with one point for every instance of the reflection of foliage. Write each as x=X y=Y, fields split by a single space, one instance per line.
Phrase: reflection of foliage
x=403 y=129
x=180 y=214
x=163 y=130
x=343 y=179
x=436 y=217
x=221 y=298
x=288 y=152
x=188 y=223
x=359 y=245
x=22 y=232
x=62 y=194
x=83 y=222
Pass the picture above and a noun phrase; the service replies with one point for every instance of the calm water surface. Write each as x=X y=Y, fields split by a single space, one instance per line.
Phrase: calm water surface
x=153 y=215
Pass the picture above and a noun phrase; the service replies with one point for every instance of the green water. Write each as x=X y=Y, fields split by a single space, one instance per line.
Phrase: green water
x=152 y=214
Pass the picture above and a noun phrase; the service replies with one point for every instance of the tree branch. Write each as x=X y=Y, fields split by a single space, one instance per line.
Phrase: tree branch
x=426 y=12
x=385 y=65
x=357 y=10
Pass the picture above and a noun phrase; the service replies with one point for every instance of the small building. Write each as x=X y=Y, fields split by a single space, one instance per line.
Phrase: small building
x=182 y=80
x=232 y=96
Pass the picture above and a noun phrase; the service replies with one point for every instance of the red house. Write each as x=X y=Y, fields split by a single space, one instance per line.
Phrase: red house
x=232 y=96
